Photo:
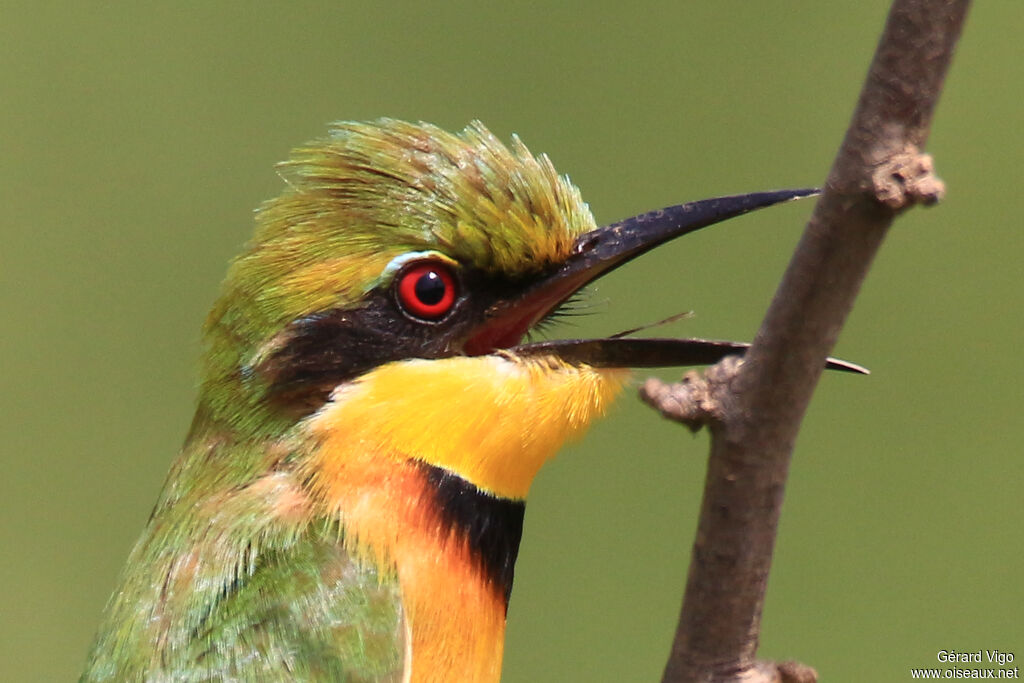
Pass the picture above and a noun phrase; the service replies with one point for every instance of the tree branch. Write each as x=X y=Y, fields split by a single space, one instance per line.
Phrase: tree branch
x=754 y=407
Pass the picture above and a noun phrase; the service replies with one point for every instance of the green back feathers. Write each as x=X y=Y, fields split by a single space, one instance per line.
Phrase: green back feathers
x=364 y=195
x=284 y=605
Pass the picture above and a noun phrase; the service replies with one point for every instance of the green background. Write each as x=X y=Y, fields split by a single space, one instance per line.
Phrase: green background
x=136 y=138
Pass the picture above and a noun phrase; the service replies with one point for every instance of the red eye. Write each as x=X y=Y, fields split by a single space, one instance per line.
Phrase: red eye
x=426 y=290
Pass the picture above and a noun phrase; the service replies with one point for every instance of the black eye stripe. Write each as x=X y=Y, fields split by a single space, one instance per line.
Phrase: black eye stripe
x=325 y=348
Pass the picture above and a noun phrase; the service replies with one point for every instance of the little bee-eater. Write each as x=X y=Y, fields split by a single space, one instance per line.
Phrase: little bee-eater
x=349 y=501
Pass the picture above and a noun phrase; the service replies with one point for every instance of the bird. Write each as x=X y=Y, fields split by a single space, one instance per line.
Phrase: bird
x=349 y=500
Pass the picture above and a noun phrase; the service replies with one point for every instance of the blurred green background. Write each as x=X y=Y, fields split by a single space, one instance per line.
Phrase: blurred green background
x=136 y=138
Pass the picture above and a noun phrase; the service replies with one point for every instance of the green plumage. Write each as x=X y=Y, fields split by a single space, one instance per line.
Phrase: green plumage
x=220 y=587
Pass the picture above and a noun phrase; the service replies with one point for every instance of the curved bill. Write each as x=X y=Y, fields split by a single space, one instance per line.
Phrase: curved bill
x=617 y=352
x=601 y=251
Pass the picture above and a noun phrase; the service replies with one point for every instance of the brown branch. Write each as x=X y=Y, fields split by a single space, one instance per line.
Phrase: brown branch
x=754 y=408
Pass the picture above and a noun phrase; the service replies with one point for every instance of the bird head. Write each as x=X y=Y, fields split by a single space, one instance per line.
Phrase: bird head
x=396 y=241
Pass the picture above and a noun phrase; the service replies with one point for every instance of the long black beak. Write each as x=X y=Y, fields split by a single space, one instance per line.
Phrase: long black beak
x=601 y=251
x=616 y=352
